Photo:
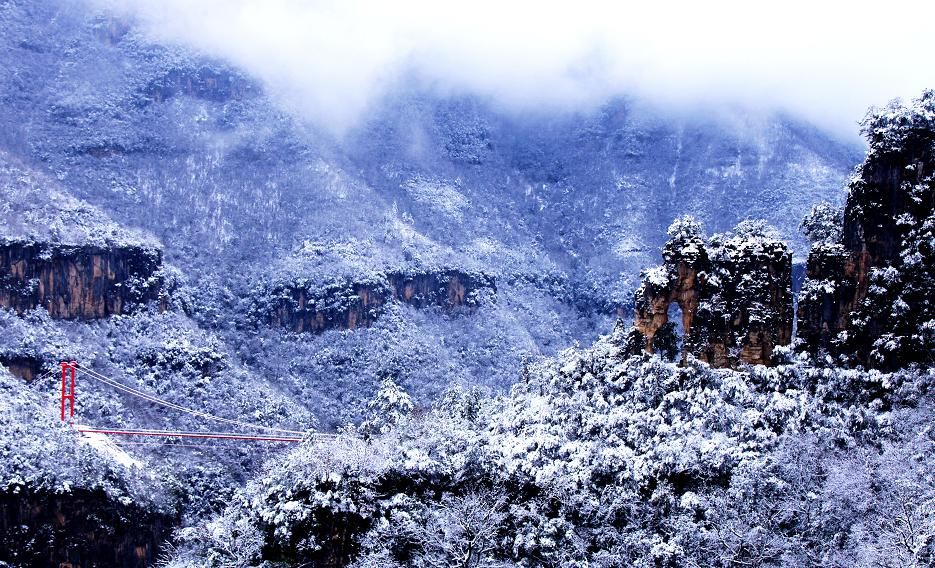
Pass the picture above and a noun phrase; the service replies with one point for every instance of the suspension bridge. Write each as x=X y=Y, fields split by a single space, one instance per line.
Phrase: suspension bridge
x=253 y=432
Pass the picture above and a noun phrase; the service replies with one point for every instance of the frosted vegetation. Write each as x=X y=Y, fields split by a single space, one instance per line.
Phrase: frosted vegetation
x=823 y=223
x=40 y=454
x=34 y=208
x=598 y=459
x=891 y=194
x=245 y=198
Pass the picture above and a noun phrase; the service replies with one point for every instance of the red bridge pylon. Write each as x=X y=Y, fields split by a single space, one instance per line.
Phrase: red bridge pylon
x=68 y=394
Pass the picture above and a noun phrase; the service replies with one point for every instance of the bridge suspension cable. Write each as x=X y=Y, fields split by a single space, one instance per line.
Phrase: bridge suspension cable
x=154 y=399
x=68 y=395
x=181 y=434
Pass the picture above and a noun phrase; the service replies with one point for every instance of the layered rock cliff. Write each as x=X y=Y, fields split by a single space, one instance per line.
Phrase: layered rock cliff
x=734 y=293
x=866 y=296
x=301 y=307
x=77 y=282
x=65 y=255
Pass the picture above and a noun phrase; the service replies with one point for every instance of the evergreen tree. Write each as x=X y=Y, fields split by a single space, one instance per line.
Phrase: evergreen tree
x=389 y=407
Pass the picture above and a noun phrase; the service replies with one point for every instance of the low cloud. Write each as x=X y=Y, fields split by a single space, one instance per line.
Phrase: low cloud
x=331 y=60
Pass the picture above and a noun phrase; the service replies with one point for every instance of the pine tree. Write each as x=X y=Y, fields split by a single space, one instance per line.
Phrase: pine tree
x=390 y=407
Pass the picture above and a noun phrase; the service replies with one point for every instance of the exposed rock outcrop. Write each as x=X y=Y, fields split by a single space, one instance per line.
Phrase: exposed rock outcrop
x=868 y=292
x=218 y=85
x=449 y=289
x=22 y=366
x=351 y=305
x=341 y=306
x=65 y=255
x=77 y=282
x=112 y=29
x=746 y=309
x=681 y=280
x=734 y=293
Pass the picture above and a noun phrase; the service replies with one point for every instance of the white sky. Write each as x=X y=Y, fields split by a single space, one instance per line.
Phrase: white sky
x=330 y=59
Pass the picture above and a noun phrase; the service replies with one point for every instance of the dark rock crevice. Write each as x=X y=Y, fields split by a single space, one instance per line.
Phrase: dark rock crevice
x=25 y=367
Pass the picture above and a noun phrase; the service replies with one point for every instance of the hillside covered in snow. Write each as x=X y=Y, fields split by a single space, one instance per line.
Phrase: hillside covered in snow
x=621 y=335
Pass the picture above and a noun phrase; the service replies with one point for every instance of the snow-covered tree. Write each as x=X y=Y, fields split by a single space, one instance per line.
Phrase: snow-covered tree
x=823 y=223
x=686 y=242
x=390 y=406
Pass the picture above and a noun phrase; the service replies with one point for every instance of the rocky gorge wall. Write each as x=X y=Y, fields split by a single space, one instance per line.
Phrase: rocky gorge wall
x=867 y=293
x=23 y=366
x=352 y=305
x=77 y=282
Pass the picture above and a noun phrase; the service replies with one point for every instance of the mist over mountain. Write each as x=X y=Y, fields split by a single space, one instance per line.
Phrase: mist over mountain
x=332 y=62
x=563 y=209
x=379 y=229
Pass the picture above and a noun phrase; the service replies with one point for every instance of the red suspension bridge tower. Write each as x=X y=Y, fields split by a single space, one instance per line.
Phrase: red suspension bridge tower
x=68 y=394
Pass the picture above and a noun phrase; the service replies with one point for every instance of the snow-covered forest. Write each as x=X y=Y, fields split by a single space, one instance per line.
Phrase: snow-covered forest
x=602 y=457
x=620 y=336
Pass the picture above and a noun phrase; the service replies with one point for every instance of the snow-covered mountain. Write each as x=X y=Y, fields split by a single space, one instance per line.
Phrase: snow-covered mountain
x=422 y=284
x=562 y=211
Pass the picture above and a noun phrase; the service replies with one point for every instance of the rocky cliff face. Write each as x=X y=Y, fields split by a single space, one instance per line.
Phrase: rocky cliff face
x=746 y=311
x=217 y=85
x=339 y=306
x=81 y=530
x=866 y=296
x=351 y=305
x=76 y=282
x=681 y=284
x=22 y=366
x=734 y=293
